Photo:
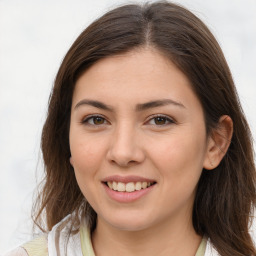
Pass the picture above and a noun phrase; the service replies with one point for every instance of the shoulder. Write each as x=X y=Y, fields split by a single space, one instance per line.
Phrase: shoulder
x=68 y=241
x=35 y=247
x=64 y=239
x=210 y=250
x=17 y=252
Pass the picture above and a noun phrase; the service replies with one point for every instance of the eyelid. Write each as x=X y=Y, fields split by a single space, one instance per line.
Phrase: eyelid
x=88 y=117
x=168 y=118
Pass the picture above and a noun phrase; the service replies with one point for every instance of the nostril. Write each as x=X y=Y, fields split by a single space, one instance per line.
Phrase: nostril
x=123 y=163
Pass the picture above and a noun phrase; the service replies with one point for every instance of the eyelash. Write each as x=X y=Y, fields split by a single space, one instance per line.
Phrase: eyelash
x=154 y=117
x=164 y=117
x=93 y=117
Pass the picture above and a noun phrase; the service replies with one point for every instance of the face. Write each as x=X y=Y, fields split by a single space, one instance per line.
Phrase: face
x=138 y=140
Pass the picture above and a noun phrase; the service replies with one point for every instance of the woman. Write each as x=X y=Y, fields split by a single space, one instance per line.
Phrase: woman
x=145 y=146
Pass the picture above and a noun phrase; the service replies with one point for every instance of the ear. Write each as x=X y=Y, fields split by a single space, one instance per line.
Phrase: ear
x=71 y=161
x=218 y=142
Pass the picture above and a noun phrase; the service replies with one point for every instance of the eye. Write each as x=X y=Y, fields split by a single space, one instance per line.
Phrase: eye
x=95 y=120
x=160 y=120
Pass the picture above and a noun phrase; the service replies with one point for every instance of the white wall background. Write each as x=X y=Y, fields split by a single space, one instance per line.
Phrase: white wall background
x=34 y=36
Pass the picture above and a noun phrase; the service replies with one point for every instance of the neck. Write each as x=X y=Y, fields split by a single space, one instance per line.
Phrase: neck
x=168 y=238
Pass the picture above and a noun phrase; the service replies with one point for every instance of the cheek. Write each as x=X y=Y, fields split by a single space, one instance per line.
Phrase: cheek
x=82 y=167
x=180 y=157
x=82 y=156
x=86 y=149
x=86 y=158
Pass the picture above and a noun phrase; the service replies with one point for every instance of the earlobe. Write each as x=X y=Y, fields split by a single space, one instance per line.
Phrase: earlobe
x=218 y=142
x=71 y=161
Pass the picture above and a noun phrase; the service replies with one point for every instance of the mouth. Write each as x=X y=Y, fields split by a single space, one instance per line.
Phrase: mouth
x=128 y=189
x=129 y=186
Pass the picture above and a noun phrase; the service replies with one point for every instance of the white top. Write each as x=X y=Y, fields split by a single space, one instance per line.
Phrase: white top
x=60 y=243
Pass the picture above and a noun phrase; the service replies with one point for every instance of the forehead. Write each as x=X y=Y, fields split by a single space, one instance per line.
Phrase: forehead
x=139 y=75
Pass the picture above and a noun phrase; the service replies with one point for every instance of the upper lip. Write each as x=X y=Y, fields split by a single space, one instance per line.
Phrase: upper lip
x=126 y=179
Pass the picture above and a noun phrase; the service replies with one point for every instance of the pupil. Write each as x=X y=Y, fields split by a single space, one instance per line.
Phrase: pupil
x=98 y=120
x=160 y=120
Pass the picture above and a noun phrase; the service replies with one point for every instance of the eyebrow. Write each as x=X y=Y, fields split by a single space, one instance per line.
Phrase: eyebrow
x=158 y=103
x=94 y=103
x=139 y=107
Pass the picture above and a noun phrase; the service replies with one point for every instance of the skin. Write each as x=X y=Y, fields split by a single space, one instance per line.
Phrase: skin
x=128 y=140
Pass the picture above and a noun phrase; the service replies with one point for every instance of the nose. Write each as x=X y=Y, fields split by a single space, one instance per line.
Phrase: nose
x=125 y=148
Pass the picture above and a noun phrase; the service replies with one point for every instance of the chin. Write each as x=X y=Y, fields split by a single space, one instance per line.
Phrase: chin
x=130 y=226
x=129 y=223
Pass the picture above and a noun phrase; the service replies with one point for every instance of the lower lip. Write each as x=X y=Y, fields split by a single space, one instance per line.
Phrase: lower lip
x=127 y=197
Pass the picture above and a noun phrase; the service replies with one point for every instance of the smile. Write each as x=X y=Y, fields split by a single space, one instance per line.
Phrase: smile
x=128 y=187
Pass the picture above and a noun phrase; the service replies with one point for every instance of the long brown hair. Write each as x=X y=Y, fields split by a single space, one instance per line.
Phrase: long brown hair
x=225 y=196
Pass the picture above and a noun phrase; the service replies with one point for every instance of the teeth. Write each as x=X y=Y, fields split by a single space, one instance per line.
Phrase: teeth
x=120 y=187
x=110 y=184
x=144 y=184
x=114 y=185
x=128 y=187
x=138 y=185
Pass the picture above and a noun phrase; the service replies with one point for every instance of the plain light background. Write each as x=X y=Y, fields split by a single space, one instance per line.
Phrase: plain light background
x=34 y=37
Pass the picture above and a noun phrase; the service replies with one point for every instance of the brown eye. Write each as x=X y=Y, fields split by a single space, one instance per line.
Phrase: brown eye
x=95 y=120
x=160 y=120
x=98 y=120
